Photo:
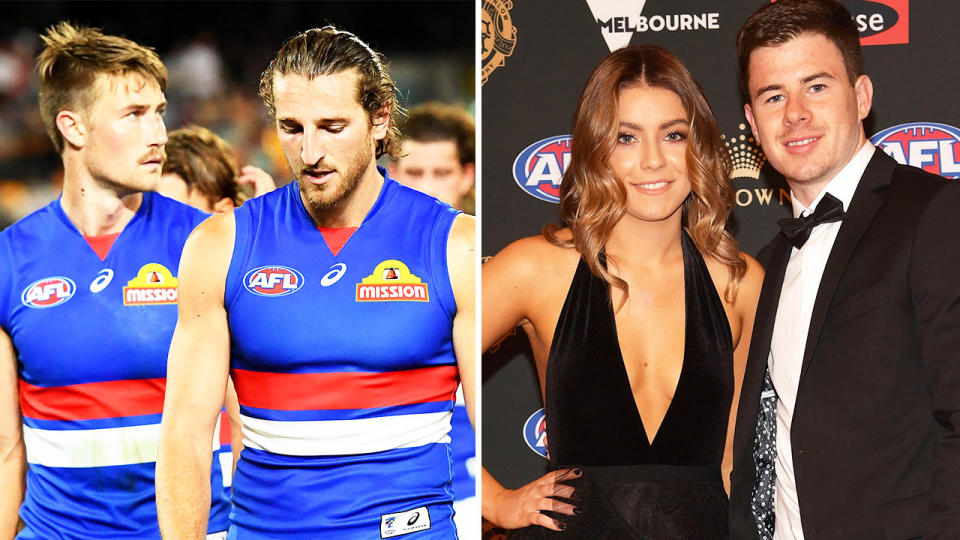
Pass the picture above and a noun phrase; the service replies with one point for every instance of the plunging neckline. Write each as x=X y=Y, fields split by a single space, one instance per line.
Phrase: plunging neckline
x=683 y=359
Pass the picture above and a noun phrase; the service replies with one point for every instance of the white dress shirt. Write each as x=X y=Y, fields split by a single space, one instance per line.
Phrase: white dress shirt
x=800 y=285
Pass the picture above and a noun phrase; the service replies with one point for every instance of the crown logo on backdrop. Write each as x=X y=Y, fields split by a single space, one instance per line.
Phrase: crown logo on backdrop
x=745 y=153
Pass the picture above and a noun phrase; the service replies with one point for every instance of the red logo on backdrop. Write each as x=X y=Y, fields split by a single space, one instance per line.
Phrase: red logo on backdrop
x=539 y=169
x=880 y=22
x=273 y=281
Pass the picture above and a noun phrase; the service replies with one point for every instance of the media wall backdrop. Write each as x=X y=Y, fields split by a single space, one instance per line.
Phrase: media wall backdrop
x=536 y=59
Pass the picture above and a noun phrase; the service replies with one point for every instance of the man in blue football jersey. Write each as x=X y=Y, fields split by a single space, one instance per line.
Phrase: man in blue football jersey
x=342 y=305
x=88 y=304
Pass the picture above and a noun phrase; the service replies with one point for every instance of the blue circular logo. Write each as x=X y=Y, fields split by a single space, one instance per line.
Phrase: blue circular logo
x=539 y=168
x=932 y=147
x=535 y=432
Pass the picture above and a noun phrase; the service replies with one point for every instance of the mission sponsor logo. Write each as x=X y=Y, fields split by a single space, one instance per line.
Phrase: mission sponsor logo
x=619 y=20
x=273 y=280
x=929 y=146
x=48 y=292
x=498 y=36
x=392 y=281
x=539 y=168
x=154 y=285
x=535 y=432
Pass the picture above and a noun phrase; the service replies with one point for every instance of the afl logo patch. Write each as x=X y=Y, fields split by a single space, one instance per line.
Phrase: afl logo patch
x=391 y=280
x=153 y=286
x=929 y=146
x=535 y=432
x=273 y=281
x=539 y=169
x=48 y=292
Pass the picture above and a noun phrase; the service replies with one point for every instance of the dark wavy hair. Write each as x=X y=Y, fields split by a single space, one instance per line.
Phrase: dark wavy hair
x=592 y=200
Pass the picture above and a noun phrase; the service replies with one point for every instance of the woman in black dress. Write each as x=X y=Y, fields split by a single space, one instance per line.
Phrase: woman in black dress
x=639 y=314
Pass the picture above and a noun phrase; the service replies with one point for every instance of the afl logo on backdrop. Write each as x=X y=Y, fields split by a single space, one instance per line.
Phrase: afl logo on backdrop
x=929 y=146
x=48 y=292
x=273 y=281
x=539 y=169
x=535 y=432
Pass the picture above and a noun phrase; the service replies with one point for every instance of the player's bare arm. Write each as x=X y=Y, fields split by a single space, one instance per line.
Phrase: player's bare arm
x=197 y=372
x=13 y=462
x=461 y=260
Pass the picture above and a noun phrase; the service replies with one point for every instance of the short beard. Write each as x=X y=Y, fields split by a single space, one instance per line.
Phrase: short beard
x=327 y=197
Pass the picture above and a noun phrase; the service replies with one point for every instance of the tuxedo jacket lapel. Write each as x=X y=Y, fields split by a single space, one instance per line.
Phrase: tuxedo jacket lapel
x=863 y=207
x=775 y=267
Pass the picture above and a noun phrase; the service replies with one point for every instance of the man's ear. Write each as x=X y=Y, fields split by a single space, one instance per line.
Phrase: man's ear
x=72 y=128
x=748 y=112
x=467 y=178
x=381 y=120
x=864 y=90
x=223 y=205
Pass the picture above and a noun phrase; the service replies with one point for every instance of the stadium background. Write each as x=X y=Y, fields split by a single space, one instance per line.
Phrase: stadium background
x=535 y=61
x=215 y=52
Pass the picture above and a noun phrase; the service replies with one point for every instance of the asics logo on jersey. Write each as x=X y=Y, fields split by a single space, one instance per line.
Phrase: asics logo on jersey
x=100 y=282
x=402 y=523
x=273 y=280
x=336 y=272
x=48 y=292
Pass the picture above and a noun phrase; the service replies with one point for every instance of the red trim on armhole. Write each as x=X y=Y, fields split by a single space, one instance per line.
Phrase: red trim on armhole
x=336 y=237
x=101 y=244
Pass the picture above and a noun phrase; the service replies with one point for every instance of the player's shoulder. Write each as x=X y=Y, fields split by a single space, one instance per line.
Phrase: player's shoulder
x=33 y=230
x=36 y=221
x=173 y=212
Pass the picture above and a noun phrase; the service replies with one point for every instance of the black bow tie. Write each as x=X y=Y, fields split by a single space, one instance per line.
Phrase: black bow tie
x=797 y=230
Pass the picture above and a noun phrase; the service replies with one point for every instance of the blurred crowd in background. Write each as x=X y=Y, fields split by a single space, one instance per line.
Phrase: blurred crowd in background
x=215 y=53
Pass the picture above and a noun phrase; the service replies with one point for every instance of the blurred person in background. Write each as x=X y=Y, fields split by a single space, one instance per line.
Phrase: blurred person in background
x=88 y=304
x=201 y=170
x=438 y=154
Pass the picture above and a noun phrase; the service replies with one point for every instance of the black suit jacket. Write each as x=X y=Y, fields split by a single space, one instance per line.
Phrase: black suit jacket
x=876 y=428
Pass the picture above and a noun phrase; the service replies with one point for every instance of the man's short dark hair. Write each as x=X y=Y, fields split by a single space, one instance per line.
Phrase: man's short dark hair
x=436 y=122
x=327 y=51
x=778 y=22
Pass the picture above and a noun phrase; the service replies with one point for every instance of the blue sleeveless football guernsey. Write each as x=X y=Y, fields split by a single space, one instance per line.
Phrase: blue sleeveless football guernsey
x=92 y=339
x=344 y=369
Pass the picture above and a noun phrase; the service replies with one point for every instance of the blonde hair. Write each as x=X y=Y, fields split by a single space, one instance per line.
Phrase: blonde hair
x=71 y=60
x=592 y=200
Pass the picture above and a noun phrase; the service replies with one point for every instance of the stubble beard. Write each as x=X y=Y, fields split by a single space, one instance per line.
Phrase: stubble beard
x=325 y=197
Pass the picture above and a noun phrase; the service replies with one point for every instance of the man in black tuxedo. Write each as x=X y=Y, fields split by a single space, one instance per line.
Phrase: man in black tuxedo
x=849 y=417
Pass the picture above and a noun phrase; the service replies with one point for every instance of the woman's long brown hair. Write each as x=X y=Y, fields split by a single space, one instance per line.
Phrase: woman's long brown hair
x=592 y=200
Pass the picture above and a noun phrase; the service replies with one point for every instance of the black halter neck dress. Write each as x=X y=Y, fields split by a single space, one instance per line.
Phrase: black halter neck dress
x=631 y=487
